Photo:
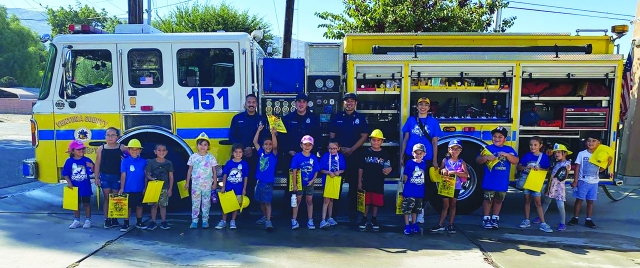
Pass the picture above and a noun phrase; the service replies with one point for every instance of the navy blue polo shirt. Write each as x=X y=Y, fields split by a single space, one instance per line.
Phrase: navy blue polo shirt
x=348 y=127
x=244 y=126
x=298 y=126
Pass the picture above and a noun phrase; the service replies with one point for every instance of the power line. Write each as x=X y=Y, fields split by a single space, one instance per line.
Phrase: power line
x=168 y=5
x=570 y=8
x=566 y=13
x=277 y=19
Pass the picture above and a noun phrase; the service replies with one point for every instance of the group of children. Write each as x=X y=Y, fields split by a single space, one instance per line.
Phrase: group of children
x=120 y=169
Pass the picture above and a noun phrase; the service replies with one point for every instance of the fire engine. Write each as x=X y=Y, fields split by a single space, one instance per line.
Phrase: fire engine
x=166 y=87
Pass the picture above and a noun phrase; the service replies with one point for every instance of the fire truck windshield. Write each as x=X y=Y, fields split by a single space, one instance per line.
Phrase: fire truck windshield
x=45 y=85
x=88 y=71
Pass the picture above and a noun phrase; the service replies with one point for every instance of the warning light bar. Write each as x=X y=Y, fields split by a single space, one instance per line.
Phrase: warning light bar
x=84 y=29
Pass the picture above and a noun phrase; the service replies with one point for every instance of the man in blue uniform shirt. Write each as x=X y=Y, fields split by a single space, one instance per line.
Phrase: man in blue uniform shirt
x=351 y=130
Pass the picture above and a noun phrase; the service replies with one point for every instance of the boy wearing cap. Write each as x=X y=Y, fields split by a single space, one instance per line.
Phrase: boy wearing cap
x=375 y=166
x=76 y=172
x=413 y=191
x=132 y=182
x=495 y=182
x=307 y=165
x=585 y=186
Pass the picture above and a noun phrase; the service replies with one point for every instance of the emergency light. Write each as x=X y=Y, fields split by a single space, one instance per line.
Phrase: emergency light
x=85 y=29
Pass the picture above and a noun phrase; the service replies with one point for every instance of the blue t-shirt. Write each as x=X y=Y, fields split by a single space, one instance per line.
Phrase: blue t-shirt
x=332 y=163
x=416 y=136
x=236 y=172
x=266 y=169
x=414 y=186
x=497 y=179
x=308 y=166
x=78 y=171
x=134 y=170
x=529 y=160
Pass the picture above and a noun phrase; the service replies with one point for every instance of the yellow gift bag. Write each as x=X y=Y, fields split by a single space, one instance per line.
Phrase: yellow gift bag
x=535 y=179
x=118 y=206
x=275 y=122
x=434 y=175
x=152 y=194
x=183 y=192
x=228 y=201
x=600 y=156
x=490 y=164
x=399 y=199
x=299 y=185
x=361 y=194
x=447 y=186
x=70 y=198
x=332 y=187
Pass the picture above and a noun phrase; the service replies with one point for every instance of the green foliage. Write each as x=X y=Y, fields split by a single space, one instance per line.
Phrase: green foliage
x=22 y=56
x=211 y=18
x=61 y=18
x=9 y=81
x=380 y=16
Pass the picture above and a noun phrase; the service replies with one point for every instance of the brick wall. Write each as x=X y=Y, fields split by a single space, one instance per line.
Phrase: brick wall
x=16 y=106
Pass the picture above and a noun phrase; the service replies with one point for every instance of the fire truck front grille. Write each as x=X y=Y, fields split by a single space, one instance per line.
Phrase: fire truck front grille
x=137 y=120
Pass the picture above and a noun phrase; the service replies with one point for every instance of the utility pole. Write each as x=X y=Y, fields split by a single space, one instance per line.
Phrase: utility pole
x=497 y=25
x=288 y=29
x=135 y=12
x=149 y=12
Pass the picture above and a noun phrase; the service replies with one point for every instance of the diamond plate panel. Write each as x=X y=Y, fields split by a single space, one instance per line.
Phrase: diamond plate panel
x=324 y=59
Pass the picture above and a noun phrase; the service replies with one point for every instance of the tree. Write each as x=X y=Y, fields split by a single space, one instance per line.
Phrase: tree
x=22 y=56
x=210 y=18
x=9 y=81
x=61 y=18
x=379 y=16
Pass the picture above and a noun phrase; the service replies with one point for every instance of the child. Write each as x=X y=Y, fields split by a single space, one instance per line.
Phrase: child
x=160 y=169
x=558 y=175
x=413 y=192
x=265 y=174
x=332 y=164
x=202 y=169
x=535 y=160
x=585 y=186
x=452 y=165
x=76 y=171
x=235 y=176
x=496 y=180
x=307 y=165
x=107 y=171
x=375 y=166
x=132 y=182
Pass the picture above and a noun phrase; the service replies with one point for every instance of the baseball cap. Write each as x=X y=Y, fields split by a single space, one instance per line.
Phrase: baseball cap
x=500 y=130
x=350 y=96
x=419 y=147
x=455 y=143
x=302 y=96
x=307 y=139
x=424 y=99
x=594 y=135
x=76 y=144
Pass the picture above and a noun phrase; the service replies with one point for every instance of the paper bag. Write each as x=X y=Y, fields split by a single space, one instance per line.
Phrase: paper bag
x=399 y=200
x=70 y=198
x=332 y=187
x=152 y=194
x=600 y=156
x=434 y=175
x=489 y=164
x=535 y=179
x=118 y=206
x=447 y=186
x=299 y=185
x=275 y=122
x=361 y=194
x=183 y=192
x=228 y=201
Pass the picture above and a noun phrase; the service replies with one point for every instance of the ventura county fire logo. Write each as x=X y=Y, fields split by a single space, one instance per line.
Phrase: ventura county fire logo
x=82 y=134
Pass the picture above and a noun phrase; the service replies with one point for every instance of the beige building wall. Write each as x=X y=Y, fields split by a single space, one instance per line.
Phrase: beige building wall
x=630 y=146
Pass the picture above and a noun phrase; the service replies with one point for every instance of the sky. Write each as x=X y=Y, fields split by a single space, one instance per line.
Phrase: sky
x=305 y=26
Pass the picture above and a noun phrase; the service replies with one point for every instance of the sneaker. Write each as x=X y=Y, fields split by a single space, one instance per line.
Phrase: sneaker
x=407 y=229
x=590 y=224
x=420 y=218
x=486 y=223
x=437 y=228
x=332 y=222
x=268 y=225
x=562 y=227
x=221 y=225
x=415 y=228
x=262 y=220
x=115 y=223
x=164 y=226
x=494 y=223
x=310 y=225
x=374 y=224
x=194 y=225
x=205 y=225
x=545 y=228
x=526 y=223
x=125 y=227
x=294 y=224
x=363 y=224
x=152 y=226
x=573 y=221
x=141 y=226
x=87 y=224
x=232 y=224
x=536 y=220
x=324 y=224
x=75 y=224
x=451 y=229
x=107 y=223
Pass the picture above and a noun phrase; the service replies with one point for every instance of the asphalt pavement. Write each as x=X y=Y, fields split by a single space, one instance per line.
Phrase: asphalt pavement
x=15 y=145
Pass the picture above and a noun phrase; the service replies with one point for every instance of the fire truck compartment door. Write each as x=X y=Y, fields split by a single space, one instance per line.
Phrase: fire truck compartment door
x=378 y=72
x=461 y=71
x=532 y=71
x=147 y=77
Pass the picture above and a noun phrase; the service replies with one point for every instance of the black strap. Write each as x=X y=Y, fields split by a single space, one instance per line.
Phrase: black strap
x=422 y=128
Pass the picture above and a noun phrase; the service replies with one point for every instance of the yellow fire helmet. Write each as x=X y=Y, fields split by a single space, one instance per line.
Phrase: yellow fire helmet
x=134 y=143
x=376 y=133
x=245 y=202
x=561 y=147
x=203 y=136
